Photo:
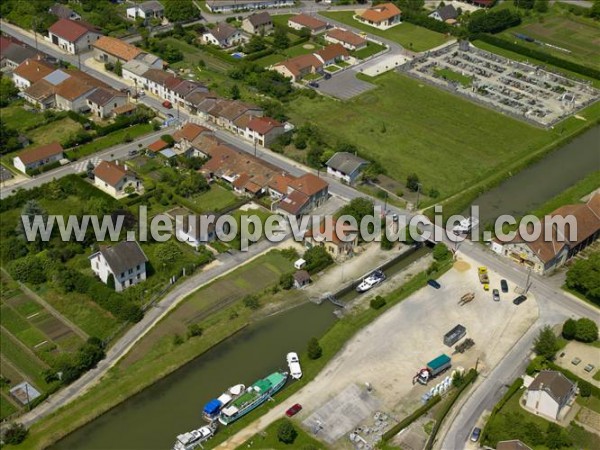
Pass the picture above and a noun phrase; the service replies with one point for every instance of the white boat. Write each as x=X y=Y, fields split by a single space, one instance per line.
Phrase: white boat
x=371 y=281
x=194 y=439
x=294 y=365
x=213 y=408
x=465 y=225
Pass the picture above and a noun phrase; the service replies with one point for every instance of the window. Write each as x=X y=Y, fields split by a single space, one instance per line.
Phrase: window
x=138 y=267
x=130 y=271
x=122 y=275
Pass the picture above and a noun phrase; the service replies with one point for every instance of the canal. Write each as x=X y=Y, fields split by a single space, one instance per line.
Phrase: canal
x=535 y=185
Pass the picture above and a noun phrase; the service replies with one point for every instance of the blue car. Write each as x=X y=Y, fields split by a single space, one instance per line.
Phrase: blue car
x=475 y=434
x=434 y=284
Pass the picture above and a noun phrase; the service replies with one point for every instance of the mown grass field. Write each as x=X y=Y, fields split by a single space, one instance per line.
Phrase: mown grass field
x=410 y=127
x=16 y=117
x=55 y=131
x=268 y=439
x=371 y=49
x=116 y=138
x=216 y=199
x=406 y=34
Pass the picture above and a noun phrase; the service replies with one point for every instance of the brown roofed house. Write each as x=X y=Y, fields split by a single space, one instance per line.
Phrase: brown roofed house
x=258 y=23
x=223 y=35
x=30 y=71
x=115 y=179
x=332 y=54
x=348 y=39
x=40 y=156
x=110 y=49
x=104 y=101
x=549 y=393
x=301 y=21
x=339 y=239
x=264 y=130
x=298 y=67
x=514 y=444
x=383 y=16
x=73 y=36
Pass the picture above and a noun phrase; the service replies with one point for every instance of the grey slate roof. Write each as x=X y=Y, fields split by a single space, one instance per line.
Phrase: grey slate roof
x=57 y=77
x=345 y=162
x=18 y=53
x=151 y=6
x=260 y=19
x=554 y=383
x=447 y=12
x=61 y=11
x=223 y=31
x=102 y=96
x=123 y=256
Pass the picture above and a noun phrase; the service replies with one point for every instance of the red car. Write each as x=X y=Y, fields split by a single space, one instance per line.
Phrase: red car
x=167 y=104
x=294 y=410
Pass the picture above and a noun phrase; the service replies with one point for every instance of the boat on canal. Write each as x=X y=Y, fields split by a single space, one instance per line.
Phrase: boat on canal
x=213 y=408
x=194 y=439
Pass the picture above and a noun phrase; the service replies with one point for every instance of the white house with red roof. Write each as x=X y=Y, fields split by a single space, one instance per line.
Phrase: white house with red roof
x=264 y=130
x=116 y=179
x=40 y=156
x=73 y=36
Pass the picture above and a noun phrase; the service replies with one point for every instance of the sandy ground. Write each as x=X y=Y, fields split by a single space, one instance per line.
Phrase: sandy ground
x=388 y=353
x=588 y=355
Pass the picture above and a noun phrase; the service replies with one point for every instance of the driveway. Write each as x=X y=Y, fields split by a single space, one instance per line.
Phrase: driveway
x=344 y=85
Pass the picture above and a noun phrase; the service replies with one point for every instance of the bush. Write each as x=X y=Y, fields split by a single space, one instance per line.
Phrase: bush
x=493 y=21
x=569 y=329
x=286 y=281
x=28 y=269
x=545 y=343
x=585 y=388
x=194 y=330
x=411 y=418
x=317 y=259
x=15 y=434
x=251 y=302
x=286 y=432
x=378 y=302
x=314 y=349
x=441 y=252
x=586 y=330
x=177 y=340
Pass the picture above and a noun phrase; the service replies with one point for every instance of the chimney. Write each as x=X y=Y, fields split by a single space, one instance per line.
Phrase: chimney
x=125 y=167
x=117 y=162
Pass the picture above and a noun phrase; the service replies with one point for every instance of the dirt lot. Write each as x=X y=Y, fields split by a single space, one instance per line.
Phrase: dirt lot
x=388 y=353
x=588 y=355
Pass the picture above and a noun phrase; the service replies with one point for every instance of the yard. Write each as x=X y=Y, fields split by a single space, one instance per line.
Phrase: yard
x=296 y=50
x=268 y=439
x=449 y=142
x=371 y=49
x=16 y=117
x=104 y=142
x=406 y=34
x=216 y=199
x=54 y=131
x=193 y=55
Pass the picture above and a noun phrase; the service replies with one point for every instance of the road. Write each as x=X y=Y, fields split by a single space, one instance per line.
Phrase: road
x=555 y=305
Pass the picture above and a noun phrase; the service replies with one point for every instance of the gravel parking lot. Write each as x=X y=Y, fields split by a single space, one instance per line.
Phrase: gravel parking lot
x=588 y=355
x=344 y=85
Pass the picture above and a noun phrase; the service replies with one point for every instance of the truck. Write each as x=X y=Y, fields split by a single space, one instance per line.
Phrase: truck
x=484 y=278
x=434 y=368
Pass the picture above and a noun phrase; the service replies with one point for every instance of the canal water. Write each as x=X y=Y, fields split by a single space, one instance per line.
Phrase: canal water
x=533 y=186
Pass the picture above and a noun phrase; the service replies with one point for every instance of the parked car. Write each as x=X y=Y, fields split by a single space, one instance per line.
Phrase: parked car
x=475 y=434
x=504 y=286
x=327 y=76
x=313 y=84
x=294 y=410
x=520 y=299
x=589 y=368
x=575 y=361
x=132 y=152
x=167 y=104
x=496 y=295
x=434 y=284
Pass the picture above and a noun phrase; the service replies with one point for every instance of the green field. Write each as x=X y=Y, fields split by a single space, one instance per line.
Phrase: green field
x=579 y=35
x=371 y=49
x=16 y=117
x=449 y=142
x=448 y=74
x=268 y=439
x=6 y=407
x=406 y=34
x=194 y=54
x=55 y=131
x=104 y=142
x=216 y=199
x=24 y=362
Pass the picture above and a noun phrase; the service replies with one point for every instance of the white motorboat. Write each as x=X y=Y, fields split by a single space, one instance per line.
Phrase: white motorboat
x=371 y=281
x=294 y=365
x=194 y=439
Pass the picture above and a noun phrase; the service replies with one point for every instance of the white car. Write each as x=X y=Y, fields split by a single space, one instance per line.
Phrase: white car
x=294 y=365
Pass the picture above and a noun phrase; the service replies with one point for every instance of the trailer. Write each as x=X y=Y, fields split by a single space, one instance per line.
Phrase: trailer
x=468 y=297
x=434 y=368
x=454 y=335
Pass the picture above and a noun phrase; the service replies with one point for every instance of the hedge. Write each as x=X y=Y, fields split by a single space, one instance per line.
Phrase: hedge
x=469 y=378
x=257 y=55
x=542 y=56
x=42 y=169
x=219 y=53
x=389 y=434
x=425 y=21
x=506 y=397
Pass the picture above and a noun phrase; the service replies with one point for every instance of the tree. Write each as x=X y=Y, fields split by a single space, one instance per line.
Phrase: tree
x=193 y=183
x=110 y=281
x=372 y=172
x=378 y=302
x=194 y=330
x=251 y=302
x=15 y=434
x=441 y=252
x=286 y=432
x=358 y=208
x=89 y=168
x=545 y=343
x=541 y=6
x=9 y=139
x=118 y=70
x=168 y=139
x=412 y=182
x=556 y=437
x=317 y=259
x=525 y=4
x=281 y=41
x=28 y=269
x=255 y=44
x=8 y=90
x=235 y=92
x=586 y=330
x=286 y=281
x=314 y=349
x=167 y=253
x=180 y=10
x=569 y=329
x=585 y=388
x=584 y=277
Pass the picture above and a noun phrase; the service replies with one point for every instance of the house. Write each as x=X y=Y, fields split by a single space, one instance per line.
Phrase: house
x=229 y=6
x=328 y=233
x=181 y=92
x=301 y=279
x=73 y=36
x=278 y=186
x=383 y=16
x=263 y=130
x=72 y=93
x=345 y=166
x=514 y=444
x=197 y=230
x=126 y=110
x=446 y=13
x=63 y=12
x=41 y=94
x=544 y=256
x=13 y=52
x=301 y=21
x=186 y=136
x=40 y=156
x=223 y=35
x=146 y=10
x=110 y=50
x=158 y=146
x=549 y=393
x=115 y=179
x=298 y=67
x=303 y=194
x=258 y=23
x=29 y=72
x=229 y=111
x=332 y=54
x=125 y=261
x=134 y=71
x=351 y=41
x=102 y=102
x=154 y=81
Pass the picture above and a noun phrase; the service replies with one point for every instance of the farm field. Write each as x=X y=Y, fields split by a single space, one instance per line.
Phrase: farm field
x=449 y=142
x=406 y=34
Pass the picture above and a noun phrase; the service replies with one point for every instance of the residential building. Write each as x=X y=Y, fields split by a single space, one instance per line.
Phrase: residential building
x=229 y=111
x=301 y=279
x=134 y=71
x=223 y=35
x=155 y=80
x=200 y=103
x=547 y=253
x=549 y=393
x=72 y=93
x=229 y=6
x=186 y=136
x=351 y=41
x=102 y=102
x=446 y=13
x=332 y=54
x=73 y=36
x=14 y=52
x=158 y=146
x=125 y=261
x=126 y=110
x=263 y=130
x=298 y=67
x=514 y=444
x=110 y=50
x=41 y=94
x=183 y=90
x=116 y=179
x=197 y=230
x=146 y=10
x=63 y=12
x=258 y=23
x=338 y=239
x=304 y=193
x=29 y=72
x=278 y=186
x=37 y=157
x=300 y=21
x=345 y=166
x=382 y=16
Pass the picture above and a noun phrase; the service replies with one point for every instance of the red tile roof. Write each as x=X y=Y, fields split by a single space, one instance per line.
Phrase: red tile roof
x=293 y=203
x=346 y=36
x=157 y=146
x=36 y=154
x=280 y=183
x=33 y=70
x=309 y=184
x=71 y=30
x=308 y=21
x=328 y=231
x=380 y=13
x=73 y=88
x=263 y=125
x=332 y=52
x=117 y=48
x=299 y=63
x=111 y=173
x=189 y=132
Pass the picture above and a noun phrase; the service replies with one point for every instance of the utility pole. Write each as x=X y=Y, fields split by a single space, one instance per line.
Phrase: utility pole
x=418 y=193
x=527 y=283
x=385 y=203
x=254 y=140
x=35 y=34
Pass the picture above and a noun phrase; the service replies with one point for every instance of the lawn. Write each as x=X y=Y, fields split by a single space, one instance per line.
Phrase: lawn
x=296 y=50
x=193 y=55
x=104 y=142
x=16 y=117
x=451 y=75
x=371 y=49
x=20 y=328
x=449 y=142
x=578 y=35
x=592 y=403
x=281 y=19
x=55 y=131
x=597 y=375
x=217 y=199
x=332 y=69
x=6 y=407
x=268 y=439
x=406 y=34
x=26 y=363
